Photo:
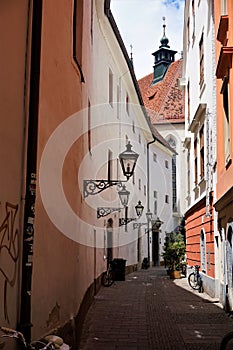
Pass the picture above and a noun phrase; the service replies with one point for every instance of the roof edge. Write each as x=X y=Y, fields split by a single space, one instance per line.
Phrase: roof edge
x=109 y=15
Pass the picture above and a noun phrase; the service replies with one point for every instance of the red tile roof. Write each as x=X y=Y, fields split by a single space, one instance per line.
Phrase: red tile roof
x=164 y=101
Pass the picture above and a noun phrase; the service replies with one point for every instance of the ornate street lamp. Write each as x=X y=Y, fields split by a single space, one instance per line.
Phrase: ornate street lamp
x=136 y=225
x=128 y=160
x=124 y=196
x=156 y=224
x=124 y=199
x=139 y=209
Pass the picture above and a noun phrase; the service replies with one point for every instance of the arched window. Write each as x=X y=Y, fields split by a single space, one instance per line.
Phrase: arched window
x=110 y=239
x=172 y=143
x=203 y=251
x=229 y=257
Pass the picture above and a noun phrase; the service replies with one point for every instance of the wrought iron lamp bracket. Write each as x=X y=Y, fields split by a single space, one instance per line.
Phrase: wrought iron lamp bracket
x=104 y=211
x=125 y=221
x=92 y=187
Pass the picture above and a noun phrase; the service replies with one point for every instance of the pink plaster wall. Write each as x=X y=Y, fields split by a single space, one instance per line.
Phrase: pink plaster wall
x=13 y=106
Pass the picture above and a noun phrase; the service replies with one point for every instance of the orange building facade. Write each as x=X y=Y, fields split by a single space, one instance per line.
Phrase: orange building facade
x=224 y=187
x=200 y=237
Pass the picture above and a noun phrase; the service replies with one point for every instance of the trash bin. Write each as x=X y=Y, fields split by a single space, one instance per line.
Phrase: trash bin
x=118 y=269
x=145 y=263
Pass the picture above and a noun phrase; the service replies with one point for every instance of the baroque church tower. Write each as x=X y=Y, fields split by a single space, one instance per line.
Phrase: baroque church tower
x=164 y=101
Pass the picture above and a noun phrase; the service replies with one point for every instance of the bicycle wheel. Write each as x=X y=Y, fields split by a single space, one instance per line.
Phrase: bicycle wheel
x=227 y=342
x=107 y=279
x=39 y=345
x=193 y=282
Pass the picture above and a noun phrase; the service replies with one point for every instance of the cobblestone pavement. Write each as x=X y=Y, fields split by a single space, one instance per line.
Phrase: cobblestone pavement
x=150 y=311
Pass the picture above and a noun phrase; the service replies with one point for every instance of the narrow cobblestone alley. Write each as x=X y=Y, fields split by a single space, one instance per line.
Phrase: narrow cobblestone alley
x=150 y=311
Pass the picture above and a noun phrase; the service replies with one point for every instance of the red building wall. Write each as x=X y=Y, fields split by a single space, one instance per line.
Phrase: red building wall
x=197 y=222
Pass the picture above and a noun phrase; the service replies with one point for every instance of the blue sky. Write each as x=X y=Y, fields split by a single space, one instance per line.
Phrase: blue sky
x=141 y=25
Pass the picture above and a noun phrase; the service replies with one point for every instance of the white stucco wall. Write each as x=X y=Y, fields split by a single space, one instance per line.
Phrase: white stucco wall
x=206 y=93
x=111 y=127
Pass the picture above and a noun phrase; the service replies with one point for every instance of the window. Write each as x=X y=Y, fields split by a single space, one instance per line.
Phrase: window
x=118 y=102
x=92 y=21
x=78 y=35
x=133 y=126
x=174 y=191
x=127 y=103
x=224 y=7
x=188 y=91
x=118 y=167
x=193 y=17
x=89 y=127
x=188 y=167
x=172 y=143
x=144 y=190
x=203 y=251
x=139 y=138
x=166 y=164
x=110 y=88
x=155 y=203
x=195 y=162
x=167 y=198
x=202 y=153
x=188 y=32
x=154 y=157
x=109 y=165
x=188 y=177
x=201 y=56
x=139 y=184
x=225 y=94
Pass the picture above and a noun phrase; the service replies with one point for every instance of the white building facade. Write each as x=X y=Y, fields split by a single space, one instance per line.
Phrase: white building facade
x=200 y=132
x=116 y=117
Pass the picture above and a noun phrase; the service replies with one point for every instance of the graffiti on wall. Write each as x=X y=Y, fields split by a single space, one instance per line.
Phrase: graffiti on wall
x=9 y=251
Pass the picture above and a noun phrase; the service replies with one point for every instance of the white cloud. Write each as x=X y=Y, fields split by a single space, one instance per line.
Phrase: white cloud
x=140 y=24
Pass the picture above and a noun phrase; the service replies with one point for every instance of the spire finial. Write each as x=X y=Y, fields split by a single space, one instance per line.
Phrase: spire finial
x=164 y=41
x=164 y=25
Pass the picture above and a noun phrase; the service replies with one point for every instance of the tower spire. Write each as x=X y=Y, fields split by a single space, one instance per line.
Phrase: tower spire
x=164 y=25
x=164 y=56
x=164 y=41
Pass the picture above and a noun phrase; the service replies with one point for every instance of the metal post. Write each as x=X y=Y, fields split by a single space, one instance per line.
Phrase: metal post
x=126 y=217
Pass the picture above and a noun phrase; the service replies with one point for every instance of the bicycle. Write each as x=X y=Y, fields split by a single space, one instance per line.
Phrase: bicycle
x=227 y=342
x=195 y=280
x=49 y=342
x=107 y=277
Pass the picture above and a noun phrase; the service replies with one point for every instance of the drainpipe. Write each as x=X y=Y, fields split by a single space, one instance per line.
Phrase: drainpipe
x=31 y=168
x=148 y=195
x=24 y=148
